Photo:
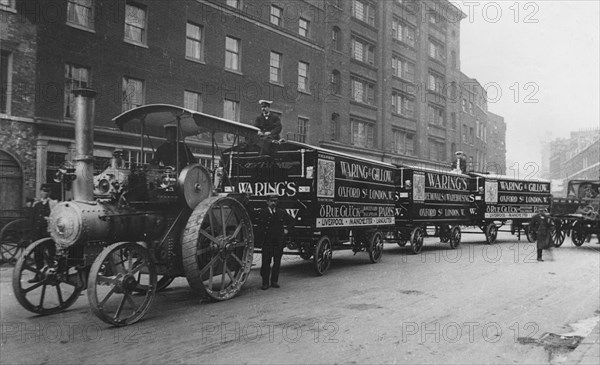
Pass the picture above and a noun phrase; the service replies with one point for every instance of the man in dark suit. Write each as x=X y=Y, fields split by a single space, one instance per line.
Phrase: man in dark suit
x=542 y=223
x=460 y=163
x=274 y=223
x=269 y=125
x=167 y=152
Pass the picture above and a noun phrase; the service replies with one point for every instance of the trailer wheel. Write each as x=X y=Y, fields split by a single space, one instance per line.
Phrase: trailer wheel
x=578 y=233
x=491 y=232
x=445 y=233
x=558 y=233
x=48 y=289
x=416 y=239
x=217 y=248
x=114 y=280
x=455 y=237
x=376 y=247
x=322 y=256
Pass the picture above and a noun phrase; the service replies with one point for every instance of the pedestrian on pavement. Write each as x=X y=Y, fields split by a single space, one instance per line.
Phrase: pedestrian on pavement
x=269 y=125
x=274 y=223
x=40 y=212
x=543 y=224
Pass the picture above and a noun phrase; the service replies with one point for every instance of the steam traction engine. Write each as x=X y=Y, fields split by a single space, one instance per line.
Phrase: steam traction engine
x=129 y=232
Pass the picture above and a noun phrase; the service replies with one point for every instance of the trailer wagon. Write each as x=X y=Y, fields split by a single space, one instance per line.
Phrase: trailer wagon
x=339 y=201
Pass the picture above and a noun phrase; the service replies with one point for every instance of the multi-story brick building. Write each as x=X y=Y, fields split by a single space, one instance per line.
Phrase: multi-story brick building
x=380 y=79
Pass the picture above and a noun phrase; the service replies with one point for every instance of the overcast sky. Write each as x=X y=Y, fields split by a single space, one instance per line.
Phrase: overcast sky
x=551 y=49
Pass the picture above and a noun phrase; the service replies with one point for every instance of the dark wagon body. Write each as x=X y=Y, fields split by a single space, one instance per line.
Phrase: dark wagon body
x=338 y=201
x=431 y=203
x=578 y=214
x=500 y=199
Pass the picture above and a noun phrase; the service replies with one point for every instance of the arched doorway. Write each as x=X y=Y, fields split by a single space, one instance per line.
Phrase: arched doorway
x=11 y=189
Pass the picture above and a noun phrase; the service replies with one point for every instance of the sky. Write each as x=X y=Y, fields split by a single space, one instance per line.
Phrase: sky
x=544 y=57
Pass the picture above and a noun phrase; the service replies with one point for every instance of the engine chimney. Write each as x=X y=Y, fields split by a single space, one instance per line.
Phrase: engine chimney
x=83 y=186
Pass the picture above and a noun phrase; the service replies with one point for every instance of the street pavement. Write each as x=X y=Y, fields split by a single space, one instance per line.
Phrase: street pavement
x=476 y=304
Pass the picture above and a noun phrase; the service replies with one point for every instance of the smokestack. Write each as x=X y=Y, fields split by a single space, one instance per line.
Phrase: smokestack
x=83 y=186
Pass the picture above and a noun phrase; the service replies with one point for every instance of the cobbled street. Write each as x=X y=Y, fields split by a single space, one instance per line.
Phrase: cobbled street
x=476 y=304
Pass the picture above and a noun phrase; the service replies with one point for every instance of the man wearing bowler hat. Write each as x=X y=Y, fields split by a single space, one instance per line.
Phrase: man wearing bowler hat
x=460 y=163
x=274 y=223
x=167 y=152
x=269 y=125
x=40 y=212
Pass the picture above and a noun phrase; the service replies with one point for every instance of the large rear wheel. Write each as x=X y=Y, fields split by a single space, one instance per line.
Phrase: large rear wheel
x=558 y=232
x=455 y=236
x=578 y=233
x=218 y=247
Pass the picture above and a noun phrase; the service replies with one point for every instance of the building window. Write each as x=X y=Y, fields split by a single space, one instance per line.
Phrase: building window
x=303 y=76
x=336 y=82
x=6 y=80
x=336 y=39
x=364 y=11
x=403 y=105
x=302 y=132
x=335 y=127
x=403 y=68
x=464 y=105
x=232 y=53
x=275 y=67
x=471 y=135
x=192 y=100
x=453 y=120
x=403 y=143
x=363 y=51
x=133 y=93
x=81 y=13
x=135 y=24
x=363 y=91
x=362 y=133
x=477 y=130
x=193 y=42
x=75 y=77
x=437 y=150
x=437 y=50
x=436 y=83
x=436 y=115
x=471 y=111
x=303 y=26
x=233 y=3
x=231 y=110
x=453 y=59
x=403 y=32
x=464 y=133
x=276 y=15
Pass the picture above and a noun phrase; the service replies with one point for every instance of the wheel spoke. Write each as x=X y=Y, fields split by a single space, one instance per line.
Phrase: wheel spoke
x=108 y=295
x=223 y=222
x=112 y=280
x=238 y=259
x=223 y=274
x=42 y=296
x=120 y=308
x=59 y=294
x=210 y=263
x=33 y=287
x=130 y=301
x=207 y=235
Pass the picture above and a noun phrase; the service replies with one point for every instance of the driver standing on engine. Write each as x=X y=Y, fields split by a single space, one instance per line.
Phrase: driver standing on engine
x=166 y=154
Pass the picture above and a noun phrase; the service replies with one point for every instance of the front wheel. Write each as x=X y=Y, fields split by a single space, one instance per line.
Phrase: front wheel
x=376 y=247
x=578 y=233
x=42 y=281
x=491 y=233
x=322 y=256
x=416 y=239
x=455 y=236
x=558 y=233
x=114 y=280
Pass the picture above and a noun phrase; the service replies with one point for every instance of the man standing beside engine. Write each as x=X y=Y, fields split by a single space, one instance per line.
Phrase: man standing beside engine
x=40 y=212
x=274 y=223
